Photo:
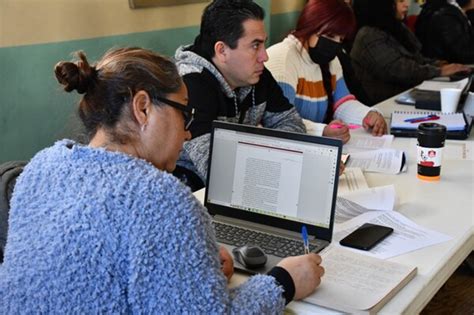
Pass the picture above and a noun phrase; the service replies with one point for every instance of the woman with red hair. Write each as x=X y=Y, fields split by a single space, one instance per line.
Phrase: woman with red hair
x=307 y=69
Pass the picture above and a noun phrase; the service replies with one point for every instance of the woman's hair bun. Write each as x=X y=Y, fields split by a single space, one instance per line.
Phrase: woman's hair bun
x=77 y=75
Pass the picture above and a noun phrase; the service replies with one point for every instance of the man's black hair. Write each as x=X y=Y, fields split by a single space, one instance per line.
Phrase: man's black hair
x=222 y=20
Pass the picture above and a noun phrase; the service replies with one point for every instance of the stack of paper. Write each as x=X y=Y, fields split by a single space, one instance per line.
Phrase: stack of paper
x=356 y=283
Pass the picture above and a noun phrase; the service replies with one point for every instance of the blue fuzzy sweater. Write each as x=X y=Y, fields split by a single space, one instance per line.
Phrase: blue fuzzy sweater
x=92 y=231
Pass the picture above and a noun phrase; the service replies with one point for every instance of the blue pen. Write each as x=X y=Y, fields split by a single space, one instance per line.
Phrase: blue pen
x=304 y=234
x=422 y=118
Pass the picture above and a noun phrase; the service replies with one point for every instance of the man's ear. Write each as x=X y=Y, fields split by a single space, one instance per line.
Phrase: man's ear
x=141 y=107
x=221 y=51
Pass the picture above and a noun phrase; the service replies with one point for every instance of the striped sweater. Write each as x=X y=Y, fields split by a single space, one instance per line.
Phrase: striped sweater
x=302 y=83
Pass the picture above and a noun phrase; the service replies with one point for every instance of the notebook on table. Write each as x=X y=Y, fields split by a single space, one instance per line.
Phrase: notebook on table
x=263 y=185
x=405 y=123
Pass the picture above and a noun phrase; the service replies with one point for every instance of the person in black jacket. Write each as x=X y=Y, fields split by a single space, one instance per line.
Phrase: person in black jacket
x=386 y=55
x=226 y=79
x=445 y=31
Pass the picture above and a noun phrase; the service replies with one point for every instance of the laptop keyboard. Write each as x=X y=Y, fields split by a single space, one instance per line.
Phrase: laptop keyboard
x=271 y=244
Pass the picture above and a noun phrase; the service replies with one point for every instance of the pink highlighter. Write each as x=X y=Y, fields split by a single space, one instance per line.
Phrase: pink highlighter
x=339 y=126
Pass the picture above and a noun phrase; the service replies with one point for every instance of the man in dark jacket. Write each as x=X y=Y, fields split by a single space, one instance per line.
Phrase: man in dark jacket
x=445 y=31
x=226 y=79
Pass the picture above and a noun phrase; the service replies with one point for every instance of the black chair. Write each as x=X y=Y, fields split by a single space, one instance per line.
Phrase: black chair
x=189 y=178
x=9 y=171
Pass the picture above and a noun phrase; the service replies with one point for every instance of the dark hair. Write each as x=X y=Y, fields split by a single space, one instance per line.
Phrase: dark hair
x=383 y=15
x=222 y=20
x=330 y=17
x=109 y=86
x=361 y=11
x=435 y=3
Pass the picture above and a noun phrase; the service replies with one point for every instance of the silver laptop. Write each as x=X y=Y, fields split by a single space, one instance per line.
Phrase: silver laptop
x=264 y=185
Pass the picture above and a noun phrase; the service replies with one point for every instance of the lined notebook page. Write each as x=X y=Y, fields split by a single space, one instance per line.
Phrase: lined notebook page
x=453 y=122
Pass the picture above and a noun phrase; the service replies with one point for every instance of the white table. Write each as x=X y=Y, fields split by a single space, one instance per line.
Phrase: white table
x=446 y=206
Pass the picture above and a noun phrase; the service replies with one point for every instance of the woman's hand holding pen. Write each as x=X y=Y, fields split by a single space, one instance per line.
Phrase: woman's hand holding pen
x=306 y=272
x=337 y=129
x=375 y=121
x=227 y=263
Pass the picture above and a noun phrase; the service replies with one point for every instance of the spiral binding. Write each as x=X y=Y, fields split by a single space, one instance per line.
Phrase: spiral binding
x=408 y=112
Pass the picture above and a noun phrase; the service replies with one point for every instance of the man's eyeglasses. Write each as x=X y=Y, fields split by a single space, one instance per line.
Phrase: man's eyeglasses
x=188 y=112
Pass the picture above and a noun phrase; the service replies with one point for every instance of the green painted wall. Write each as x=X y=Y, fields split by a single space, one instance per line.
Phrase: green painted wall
x=35 y=112
x=282 y=24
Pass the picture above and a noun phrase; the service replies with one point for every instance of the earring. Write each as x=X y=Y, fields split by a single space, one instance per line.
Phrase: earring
x=143 y=127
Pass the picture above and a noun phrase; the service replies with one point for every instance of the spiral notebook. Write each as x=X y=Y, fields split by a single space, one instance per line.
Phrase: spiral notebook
x=405 y=123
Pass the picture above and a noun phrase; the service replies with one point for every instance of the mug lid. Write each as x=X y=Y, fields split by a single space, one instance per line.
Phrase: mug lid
x=432 y=128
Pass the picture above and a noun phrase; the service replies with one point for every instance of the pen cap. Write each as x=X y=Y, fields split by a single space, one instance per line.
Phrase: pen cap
x=431 y=137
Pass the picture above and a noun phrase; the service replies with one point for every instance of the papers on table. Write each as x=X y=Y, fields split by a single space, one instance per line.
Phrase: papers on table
x=376 y=198
x=389 y=161
x=199 y=194
x=406 y=237
x=373 y=154
x=358 y=284
x=352 y=179
x=346 y=210
x=364 y=142
x=355 y=196
x=456 y=150
x=360 y=201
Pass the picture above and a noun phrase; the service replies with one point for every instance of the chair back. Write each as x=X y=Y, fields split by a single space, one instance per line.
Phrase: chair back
x=9 y=172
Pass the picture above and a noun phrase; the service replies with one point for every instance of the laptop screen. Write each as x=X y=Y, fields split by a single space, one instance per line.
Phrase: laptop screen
x=279 y=177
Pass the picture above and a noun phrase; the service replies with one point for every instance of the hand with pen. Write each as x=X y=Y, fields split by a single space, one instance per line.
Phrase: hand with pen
x=373 y=122
x=337 y=129
x=305 y=270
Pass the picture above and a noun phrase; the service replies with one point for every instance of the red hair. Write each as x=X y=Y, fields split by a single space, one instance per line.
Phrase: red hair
x=328 y=17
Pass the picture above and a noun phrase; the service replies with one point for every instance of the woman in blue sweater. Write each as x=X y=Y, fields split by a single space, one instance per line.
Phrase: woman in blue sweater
x=104 y=227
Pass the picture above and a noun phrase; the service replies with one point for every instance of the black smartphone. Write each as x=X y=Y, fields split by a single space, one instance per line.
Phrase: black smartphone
x=366 y=236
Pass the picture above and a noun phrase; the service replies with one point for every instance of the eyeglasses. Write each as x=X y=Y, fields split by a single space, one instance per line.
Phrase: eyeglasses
x=188 y=112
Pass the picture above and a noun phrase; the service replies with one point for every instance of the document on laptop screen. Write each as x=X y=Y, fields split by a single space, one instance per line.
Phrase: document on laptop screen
x=273 y=176
x=267 y=178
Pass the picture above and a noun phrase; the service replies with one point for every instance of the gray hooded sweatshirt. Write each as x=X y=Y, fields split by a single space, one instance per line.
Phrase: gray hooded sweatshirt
x=262 y=104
